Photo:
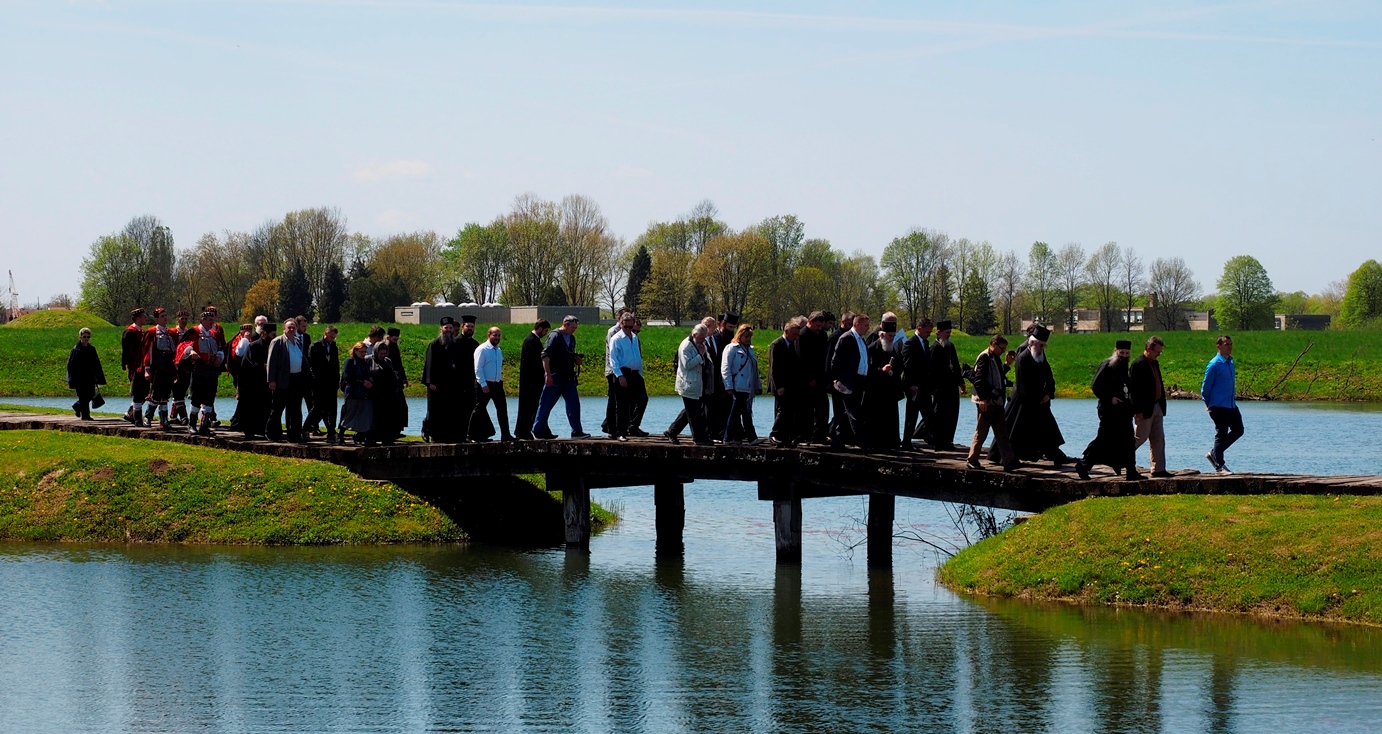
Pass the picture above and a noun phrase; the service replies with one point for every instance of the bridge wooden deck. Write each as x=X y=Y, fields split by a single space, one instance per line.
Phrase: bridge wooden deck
x=440 y=472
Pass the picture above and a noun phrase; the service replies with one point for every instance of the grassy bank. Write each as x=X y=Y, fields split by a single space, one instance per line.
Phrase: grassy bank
x=75 y=487
x=1288 y=555
x=1340 y=366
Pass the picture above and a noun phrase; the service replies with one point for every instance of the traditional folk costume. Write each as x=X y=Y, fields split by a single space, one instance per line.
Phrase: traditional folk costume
x=160 y=350
x=132 y=361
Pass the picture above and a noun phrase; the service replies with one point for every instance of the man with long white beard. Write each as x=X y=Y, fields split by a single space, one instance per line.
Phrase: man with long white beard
x=1114 y=445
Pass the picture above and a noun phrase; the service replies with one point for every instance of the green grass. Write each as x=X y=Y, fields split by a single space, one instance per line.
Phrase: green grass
x=69 y=320
x=1285 y=555
x=1341 y=366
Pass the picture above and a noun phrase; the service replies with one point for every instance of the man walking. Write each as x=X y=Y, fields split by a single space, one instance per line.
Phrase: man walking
x=1219 y=391
x=489 y=378
x=324 y=362
x=559 y=363
x=787 y=383
x=916 y=385
x=442 y=374
x=1149 y=403
x=607 y=425
x=132 y=361
x=626 y=361
x=530 y=378
x=990 y=393
x=948 y=381
x=289 y=376
x=1114 y=444
x=694 y=376
x=815 y=342
x=849 y=368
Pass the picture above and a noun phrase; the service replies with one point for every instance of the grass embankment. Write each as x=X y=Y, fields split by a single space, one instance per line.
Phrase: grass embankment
x=76 y=487
x=47 y=319
x=1341 y=366
x=1284 y=555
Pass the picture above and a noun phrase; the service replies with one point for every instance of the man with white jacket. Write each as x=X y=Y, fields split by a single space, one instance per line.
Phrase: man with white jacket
x=694 y=375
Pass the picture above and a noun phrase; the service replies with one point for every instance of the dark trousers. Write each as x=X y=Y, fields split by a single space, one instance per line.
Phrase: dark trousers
x=1228 y=428
x=739 y=424
x=692 y=413
x=501 y=407
x=919 y=406
x=640 y=406
x=323 y=407
x=564 y=390
x=139 y=387
x=848 y=426
x=817 y=414
x=287 y=398
x=626 y=399
x=528 y=398
x=790 y=422
x=611 y=405
x=84 y=395
x=946 y=411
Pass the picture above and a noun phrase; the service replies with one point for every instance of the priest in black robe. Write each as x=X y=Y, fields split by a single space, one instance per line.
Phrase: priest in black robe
x=883 y=391
x=947 y=382
x=1032 y=429
x=450 y=392
x=1114 y=445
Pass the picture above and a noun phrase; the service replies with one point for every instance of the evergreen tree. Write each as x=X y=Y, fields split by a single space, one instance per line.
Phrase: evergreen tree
x=699 y=305
x=371 y=299
x=294 y=294
x=639 y=272
x=330 y=311
x=978 y=317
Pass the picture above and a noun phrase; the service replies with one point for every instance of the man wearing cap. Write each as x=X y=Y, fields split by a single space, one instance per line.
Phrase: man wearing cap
x=1114 y=445
x=559 y=364
x=489 y=381
x=442 y=372
x=530 y=378
x=324 y=362
x=915 y=378
x=948 y=382
x=132 y=361
x=1032 y=429
x=849 y=370
x=815 y=403
x=289 y=375
x=1149 y=403
x=160 y=346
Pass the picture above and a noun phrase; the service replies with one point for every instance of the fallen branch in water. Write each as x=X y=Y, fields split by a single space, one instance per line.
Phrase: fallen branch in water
x=1268 y=395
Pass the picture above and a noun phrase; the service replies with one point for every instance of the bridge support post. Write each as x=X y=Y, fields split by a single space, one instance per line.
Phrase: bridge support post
x=786 y=518
x=880 y=530
x=670 y=500
x=575 y=501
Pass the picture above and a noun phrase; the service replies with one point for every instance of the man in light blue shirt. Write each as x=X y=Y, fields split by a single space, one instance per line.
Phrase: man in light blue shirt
x=1219 y=390
x=489 y=380
x=626 y=367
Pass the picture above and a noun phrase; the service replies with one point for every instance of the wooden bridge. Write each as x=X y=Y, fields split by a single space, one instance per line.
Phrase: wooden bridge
x=439 y=473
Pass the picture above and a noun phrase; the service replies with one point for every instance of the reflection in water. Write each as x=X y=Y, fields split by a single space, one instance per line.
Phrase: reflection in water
x=410 y=639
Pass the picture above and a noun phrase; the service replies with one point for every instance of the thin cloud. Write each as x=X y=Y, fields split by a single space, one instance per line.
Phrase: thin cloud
x=393 y=169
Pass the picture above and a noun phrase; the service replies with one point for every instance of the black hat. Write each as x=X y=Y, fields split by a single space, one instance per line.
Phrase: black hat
x=448 y=321
x=467 y=318
x=730 y=318
x=1042 y=333
x=890 y=326
x=136 y=312
x=394 y=332
x=944 y=325
x=1122 y=344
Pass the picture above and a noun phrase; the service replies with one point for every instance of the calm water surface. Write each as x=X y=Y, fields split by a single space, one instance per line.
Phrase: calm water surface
x=110 y=638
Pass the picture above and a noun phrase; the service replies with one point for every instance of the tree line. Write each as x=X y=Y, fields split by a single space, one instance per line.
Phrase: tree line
x=545 y=252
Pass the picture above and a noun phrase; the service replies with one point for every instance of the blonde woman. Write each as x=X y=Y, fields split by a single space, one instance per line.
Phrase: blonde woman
x=358 y=412
x=739 y=368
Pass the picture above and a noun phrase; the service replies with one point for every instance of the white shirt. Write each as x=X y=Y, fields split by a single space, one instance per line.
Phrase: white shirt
x=624 y=353
x=609 y=346
x=489 y=363
x=294 y=356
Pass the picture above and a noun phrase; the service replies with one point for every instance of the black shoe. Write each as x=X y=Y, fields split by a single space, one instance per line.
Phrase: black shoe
x=670 y=436
x=1082 y=470
x=579 y=436
x=974 y=465
x=1161 y=475
x=546 y=437
x=638 y=433
x=703 y=442
x=1012 y=466
x=1134 y=476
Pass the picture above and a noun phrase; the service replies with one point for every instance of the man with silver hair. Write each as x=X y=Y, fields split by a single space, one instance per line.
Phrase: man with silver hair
x=1032 y=428
x=693 y=384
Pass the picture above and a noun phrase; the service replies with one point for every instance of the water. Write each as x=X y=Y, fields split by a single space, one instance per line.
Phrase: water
x=115 y=638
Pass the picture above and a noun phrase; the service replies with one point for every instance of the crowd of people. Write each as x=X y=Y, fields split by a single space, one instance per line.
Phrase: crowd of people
x=842 y=386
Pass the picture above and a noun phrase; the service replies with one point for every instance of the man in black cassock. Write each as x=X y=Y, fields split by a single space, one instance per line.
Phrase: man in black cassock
x=531 y=378
x=1032 y=429
x=948 y=381
x=1114 y=446
x=450 y=391
x=883 y=391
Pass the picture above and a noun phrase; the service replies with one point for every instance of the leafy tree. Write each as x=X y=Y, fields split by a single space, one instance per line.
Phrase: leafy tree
x=534 y=227
x=784 y=235
x=261 y=299
x=1070 y=277
x=978 y=317
x=1247 y=299
x=1131 y=279
x=294 y=297
x=699 y=303
x=670 y=285
x=912 y=263
x=330 y=309
x=734 y=266
x=1362 y=304
x=416 y=258
x=1010 y=276
x=639 y=271
x=1101 y=272
x=477 y=258
x=371 y=299
x=1042 y=281
x=1298 y=302
x=312 y=238
x=1172 y=287
x=135 y=267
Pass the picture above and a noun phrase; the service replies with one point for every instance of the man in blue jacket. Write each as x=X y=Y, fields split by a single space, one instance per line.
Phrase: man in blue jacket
x=1218 y=390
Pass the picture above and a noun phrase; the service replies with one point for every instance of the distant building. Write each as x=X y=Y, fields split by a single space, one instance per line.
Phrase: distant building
x=427 y=313
x=1301 y=321
x=1137 y=318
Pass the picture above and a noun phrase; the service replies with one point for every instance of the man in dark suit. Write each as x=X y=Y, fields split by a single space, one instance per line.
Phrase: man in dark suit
x=916 y=385
x=849 y=369
x=325 y=364
x=787 y=383
x=836 y=407
x=815 y=409
x=289 y=376
x=530 y=378
x=947 y=382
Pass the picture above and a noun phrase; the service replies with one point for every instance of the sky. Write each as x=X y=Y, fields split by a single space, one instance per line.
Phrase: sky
x=1190 y=130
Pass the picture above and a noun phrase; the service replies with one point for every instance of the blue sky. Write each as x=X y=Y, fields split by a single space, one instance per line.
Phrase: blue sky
x=1179 y=129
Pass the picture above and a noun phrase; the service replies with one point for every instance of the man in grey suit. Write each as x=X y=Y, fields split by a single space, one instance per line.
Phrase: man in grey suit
x=289 y=375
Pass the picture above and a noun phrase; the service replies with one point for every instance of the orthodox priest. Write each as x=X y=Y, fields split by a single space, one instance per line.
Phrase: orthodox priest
x=948 y=381
x=1114 y=446
x=450 y=392
x=1032 y=429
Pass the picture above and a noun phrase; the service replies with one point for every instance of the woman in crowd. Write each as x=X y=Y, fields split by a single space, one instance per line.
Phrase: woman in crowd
x=84 y=373
x=356 y=382
x=739 y=365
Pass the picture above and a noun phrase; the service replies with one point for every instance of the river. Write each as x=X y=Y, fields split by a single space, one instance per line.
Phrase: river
x=99 y=638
